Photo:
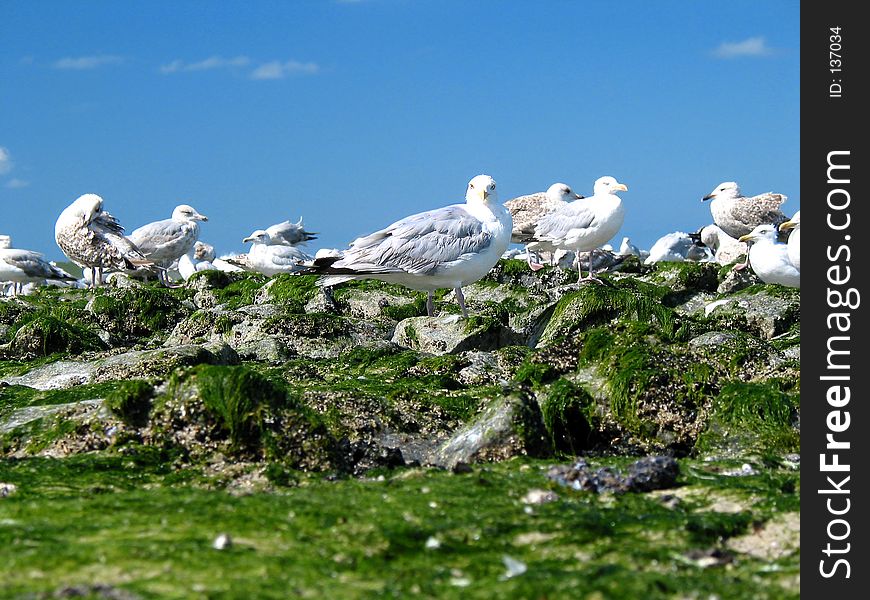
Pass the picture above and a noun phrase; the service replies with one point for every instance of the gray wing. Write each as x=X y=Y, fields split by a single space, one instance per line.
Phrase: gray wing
x=33 y=265
x=556 y=225
x=287 y=255
x=107 y=222
x=289 y=234
x=758 y=210
x=418 y=244
x=166 y=235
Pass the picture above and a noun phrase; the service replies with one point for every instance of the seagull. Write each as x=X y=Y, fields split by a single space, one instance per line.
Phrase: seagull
x=528 y=210
x=290 y=234
x=5 y=241
x=94 y=239
x=738 y=215
x=164 y=242
x=794 y=239
x=448 y=247
x=726 y=249
x=678 y=247
x=199 y=259
x=24 y=266
x=769 y=258
x=583 y=224
x=626 y=248
x=269 y=258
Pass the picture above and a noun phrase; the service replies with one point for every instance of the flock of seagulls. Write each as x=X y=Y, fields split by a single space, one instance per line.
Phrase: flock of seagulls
x=448 y=247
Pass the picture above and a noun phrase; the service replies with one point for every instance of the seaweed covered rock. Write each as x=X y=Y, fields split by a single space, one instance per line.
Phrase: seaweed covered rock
x=233 y=410
x=452 y=334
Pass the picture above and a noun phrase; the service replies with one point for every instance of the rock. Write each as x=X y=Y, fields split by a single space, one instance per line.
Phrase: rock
x=736 y=280
x=57 y=375
x=764 y=313
x=644 y=475
x=7 y=489
x=452 y=334
x=143 y=364
x=508 y=426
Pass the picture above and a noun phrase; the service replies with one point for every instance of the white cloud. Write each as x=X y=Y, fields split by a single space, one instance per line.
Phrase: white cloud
x=16 y=183
x=754 y=46
x=213 y=62
x=5 y=161
x=82 y=63
x=278 y=70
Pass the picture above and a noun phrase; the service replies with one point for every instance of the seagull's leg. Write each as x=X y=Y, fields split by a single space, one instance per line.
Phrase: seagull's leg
x=430 y=305
x=94 y=277
x=579 y=270
x=461 y=300
x=533 y=265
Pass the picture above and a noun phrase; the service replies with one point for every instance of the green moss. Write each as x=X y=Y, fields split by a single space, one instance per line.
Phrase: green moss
x=234 y=290
x=131 y=401
x=706 y=528
x=688 y=275
x=400 y=312
x=140 y=311
x=293 y=292
x=313 y=325
x=754 y=415
x=513 y=267
x=565 y=409
x=42 y=333
x=535 y=374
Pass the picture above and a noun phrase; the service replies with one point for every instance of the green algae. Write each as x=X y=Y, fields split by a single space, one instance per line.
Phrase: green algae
x=566 y=411
x=140 y=311
x=131 y=401
x=132 y=523
x=293 y=292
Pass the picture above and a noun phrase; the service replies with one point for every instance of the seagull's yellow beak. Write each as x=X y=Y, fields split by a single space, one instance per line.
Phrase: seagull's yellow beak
x=745 y=238
x=484 y=194
x=620 y=187
x=787 y=225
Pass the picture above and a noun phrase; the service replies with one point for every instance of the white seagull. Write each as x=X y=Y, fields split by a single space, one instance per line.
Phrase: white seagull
x=769 y=258
x=93 y=239
x=726 y=249
x=448 y=247
x=584 y=224
x=201 y=258
x=165 y=241
x=270 y=258
x=678 y=247
x=24 y=266
x=794 y=239
x=529 y=209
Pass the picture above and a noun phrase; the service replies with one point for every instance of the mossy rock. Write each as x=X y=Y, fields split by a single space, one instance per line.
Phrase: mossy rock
x=131 y=401
x=566 y=409
x=44 y=334
x=236 y=411
x=139 y=311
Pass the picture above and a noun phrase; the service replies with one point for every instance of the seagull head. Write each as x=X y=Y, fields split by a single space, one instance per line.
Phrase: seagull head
x=185 y=212
x=726 y=189
x=203 y=251
x=764 y=231
x=258 y=237
x=793 y=223
x=563 y=192
x=608 y=185
x=5 y=242
x=86 y=207
x=481 y=189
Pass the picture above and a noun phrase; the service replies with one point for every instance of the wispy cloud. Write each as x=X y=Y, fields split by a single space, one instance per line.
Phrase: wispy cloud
x=83 y=63
x=279 y=70
x=211 y=63
x=753 y=47
x=15 y=183
x=5 y=161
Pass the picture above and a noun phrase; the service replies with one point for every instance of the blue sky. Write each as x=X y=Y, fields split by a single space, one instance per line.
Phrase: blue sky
x=353 y=114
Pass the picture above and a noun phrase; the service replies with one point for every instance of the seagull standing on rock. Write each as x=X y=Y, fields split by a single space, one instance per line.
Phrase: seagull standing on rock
x=448 y=247
x=528 y=210
x=93 y=239
x=166 y=241
x=25 y=266
x=583 y=224
x=270 y=258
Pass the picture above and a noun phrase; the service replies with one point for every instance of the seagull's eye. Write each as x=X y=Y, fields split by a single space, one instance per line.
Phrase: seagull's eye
x=471 y=186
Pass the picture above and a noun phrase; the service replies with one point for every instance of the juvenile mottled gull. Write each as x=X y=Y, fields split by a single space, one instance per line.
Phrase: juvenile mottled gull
x=93 y=239
x=794 y=239
x=24 y=266
x=199 y=259
x=448 y=247
x=769 y=258
x=528 y=210
x=269 y=258
x=290 y=234
x=165 y=241
x=737 y=214
x=725 y=248
x=583 y=224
